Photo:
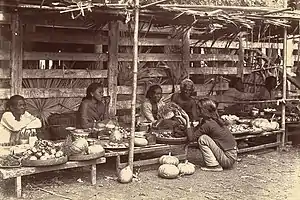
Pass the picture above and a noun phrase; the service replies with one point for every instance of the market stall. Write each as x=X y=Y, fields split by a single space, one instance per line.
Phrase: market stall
x=83 y=149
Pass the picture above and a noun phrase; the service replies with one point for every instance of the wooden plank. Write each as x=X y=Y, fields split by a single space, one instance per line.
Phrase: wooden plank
x=214 y=70
x=22 y=171
x=16 y=58
x=65 y=56
x=186 y=49
x=214 y=57
x=113 y=49
x=60 y=73
x=59 y=36
x=151 y=42
x=94 y=174
x=255 y=148
x=149 y=57
x=18 y=186
x=99 y=49
x=5 y=93
x=4 y=73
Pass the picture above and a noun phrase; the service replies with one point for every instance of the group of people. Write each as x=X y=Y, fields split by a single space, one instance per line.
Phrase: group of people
x=217 y=144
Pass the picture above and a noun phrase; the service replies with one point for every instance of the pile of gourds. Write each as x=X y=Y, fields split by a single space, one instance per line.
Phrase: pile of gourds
x=170 y=167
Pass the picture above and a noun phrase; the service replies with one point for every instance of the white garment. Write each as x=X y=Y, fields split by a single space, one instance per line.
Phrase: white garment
x=9 y=125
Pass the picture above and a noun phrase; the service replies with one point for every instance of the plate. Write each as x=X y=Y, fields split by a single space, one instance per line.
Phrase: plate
x=171 y=140
x=42 y=163
x=70 y=128
x=86 y=157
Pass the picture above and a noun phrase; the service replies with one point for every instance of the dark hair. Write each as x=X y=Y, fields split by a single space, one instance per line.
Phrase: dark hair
x=13 y=101
x=270 y=82
x=150 y=91
x=92 y=88
x=209 y=110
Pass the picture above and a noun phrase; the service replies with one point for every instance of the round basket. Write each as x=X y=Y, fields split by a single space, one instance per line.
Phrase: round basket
x=77 y=135
x=44 y=163
x=165 y=140
x=81 y=157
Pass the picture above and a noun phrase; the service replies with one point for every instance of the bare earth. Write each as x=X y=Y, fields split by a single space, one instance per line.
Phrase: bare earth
x=268 y=176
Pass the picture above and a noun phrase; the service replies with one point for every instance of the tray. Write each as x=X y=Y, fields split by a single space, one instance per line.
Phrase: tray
x=165 y=140
x=114 y=148
x=44 y=163
x=16 y=166
x=86 y=157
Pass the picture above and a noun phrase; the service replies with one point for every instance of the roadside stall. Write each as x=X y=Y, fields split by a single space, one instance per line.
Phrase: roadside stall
x=89 y=147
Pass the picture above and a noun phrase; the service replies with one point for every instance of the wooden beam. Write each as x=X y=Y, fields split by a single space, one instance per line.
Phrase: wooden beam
x=60 y=73
x=214 y=57
x=113 y=49
x=4 y=55
x=16 y=57
x=65 y=56
x=5 y=93
x=59 y=36
x=151 y=57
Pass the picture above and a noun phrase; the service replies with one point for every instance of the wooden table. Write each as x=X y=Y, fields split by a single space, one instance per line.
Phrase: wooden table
x=17 y=173
x=146 y=149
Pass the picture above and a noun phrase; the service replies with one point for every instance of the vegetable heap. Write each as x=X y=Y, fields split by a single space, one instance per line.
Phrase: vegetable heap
x=43 y=150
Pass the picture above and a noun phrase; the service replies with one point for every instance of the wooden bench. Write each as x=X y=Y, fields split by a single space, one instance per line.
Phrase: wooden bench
x=147 y=149
x=17 y=173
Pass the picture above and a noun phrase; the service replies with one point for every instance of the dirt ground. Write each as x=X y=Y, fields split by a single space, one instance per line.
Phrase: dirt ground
x=264 y=176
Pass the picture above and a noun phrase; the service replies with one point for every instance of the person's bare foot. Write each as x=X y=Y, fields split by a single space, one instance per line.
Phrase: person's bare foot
x=217 y=168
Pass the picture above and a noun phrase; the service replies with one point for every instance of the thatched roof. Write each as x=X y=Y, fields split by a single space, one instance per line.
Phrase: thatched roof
x=212 y=21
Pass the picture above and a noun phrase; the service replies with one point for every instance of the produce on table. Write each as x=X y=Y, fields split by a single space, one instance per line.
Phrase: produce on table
x=43 y=150
x=125 y=175
x=94 y=149
x=116 y=136
x=9 y=161
x=240 y=128
x=265 y=124
x=139 y=142
x=230 y=119
x=169 y=159
x=79 y=146
x=168 y=171
x=186 y=168
x=171 y=110
x=116 y=145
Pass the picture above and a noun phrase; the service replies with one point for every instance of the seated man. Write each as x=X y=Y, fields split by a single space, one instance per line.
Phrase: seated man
x=235 y=93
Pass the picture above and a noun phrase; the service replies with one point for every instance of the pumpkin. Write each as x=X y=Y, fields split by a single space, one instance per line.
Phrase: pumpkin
x=186 y=168
x=140 y=142
x=80 y=145
x=168 y=171
x=125 y=175
x=168 y=159
x=116 y=136
x=95 y=149
x=260 y=122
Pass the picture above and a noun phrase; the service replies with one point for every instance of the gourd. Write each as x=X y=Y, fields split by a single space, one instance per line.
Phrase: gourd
x=79 y=146
x=95 y=149
x=116 y=136
x=168 y=171
x=186 y=168
x=140 y=142
x=125 y=175
x=168 y=159
x=274 y=125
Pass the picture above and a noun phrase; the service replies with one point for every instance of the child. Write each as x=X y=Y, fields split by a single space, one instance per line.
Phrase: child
x=216 y=142
x=15 y=120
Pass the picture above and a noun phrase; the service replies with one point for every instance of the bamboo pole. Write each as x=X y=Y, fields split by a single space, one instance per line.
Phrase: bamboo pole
x=284 y=80
x=134 y=84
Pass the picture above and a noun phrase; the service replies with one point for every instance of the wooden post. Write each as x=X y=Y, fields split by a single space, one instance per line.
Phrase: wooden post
x=134 y=83
x=99 y=49
x=186 y=54
x=94 y=174
x=16 y=58
x=113 y=48
x=18 y=186
x=240 y=69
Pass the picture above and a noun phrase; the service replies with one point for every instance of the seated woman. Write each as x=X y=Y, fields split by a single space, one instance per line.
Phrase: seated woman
x=91 y=109
x=184 y=98
x=15 y=120
x=161 y=115
x=216 y=142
